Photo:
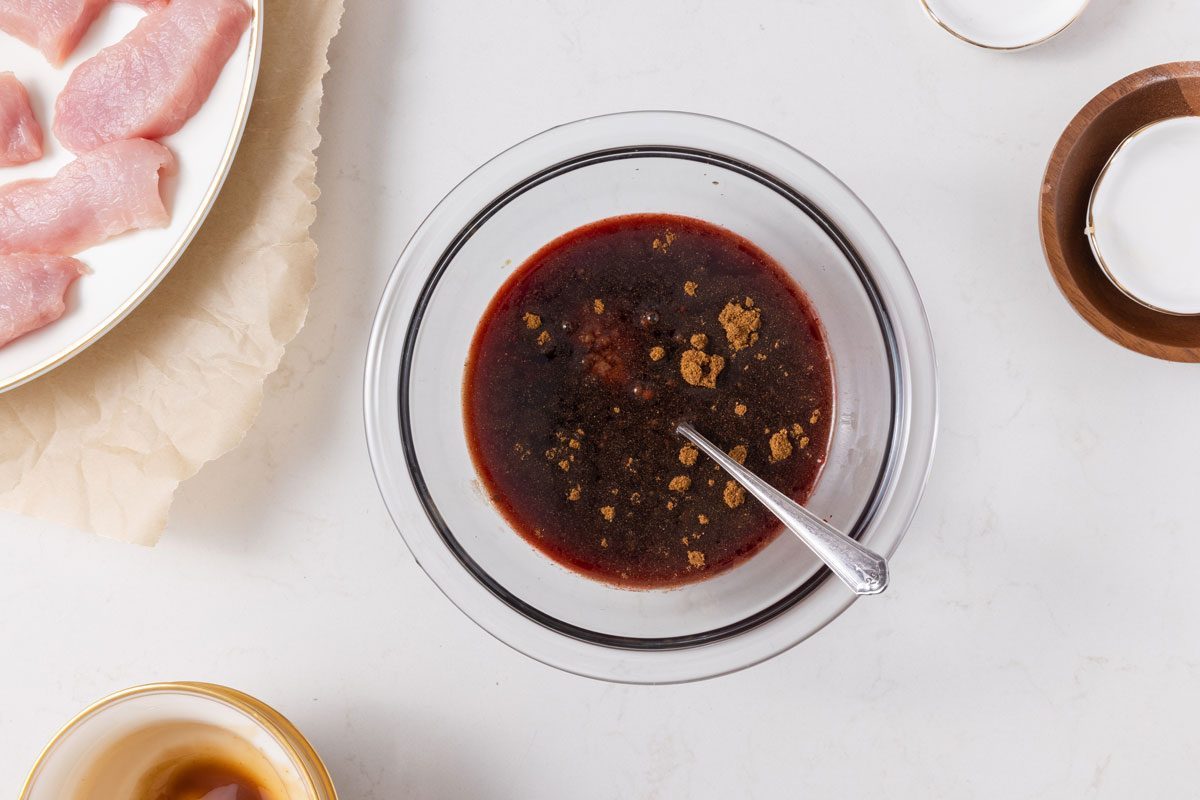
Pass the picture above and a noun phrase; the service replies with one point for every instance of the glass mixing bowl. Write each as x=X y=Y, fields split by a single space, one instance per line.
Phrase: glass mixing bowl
x=727 y=174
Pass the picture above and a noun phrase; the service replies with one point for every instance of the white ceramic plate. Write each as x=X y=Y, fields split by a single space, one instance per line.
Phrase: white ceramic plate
x=1004 y=24
x=126 y=269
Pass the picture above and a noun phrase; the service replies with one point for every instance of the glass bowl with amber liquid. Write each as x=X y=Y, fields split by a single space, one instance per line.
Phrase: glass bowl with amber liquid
x=179 y=741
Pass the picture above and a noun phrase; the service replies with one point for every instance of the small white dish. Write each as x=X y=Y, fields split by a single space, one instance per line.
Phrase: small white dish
x=1007 y=25
x=68 y=758
x=1144 y=216
x=124 y=270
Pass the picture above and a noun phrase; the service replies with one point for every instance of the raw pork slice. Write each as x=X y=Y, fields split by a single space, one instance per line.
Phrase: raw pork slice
x=108 y=191
x=52 y=26
x=20 y=134
x=152 y=81
x=55 y=26
x=31 y=291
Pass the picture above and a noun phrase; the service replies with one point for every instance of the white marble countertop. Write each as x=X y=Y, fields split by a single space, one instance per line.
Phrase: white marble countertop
x=1039 y=639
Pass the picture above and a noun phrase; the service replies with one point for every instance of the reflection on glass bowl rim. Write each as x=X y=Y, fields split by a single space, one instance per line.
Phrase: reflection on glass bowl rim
x=679 y=163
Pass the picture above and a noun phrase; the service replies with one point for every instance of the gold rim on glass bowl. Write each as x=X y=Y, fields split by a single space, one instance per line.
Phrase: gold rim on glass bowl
x=313 y=773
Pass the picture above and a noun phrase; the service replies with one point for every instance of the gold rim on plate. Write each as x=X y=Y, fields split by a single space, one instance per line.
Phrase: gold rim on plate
x=1000 y=48
x=1090 y=230
x=173 y=255
x=314 y=774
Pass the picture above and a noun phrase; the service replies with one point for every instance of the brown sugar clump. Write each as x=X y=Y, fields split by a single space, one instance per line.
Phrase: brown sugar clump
x=670 y=505
x=543 y=338
x=797 y=430
x=781 y=446
x=741 y=325
x=604 y=543
x=575 y=493
x=690 y=288
x=696 y=559
x=532 y=321
x=699 y=341
x=657 y=353
x=702 y=519
x=680 y=483
x=740 y=409
x=665 y=242
x=564 y=465
x=739 y=453
x=735 y=495
x=598 y=306
x=693 y=364
x=688 y=455
x=803 y=442
x=608 y=512
x=816 y=415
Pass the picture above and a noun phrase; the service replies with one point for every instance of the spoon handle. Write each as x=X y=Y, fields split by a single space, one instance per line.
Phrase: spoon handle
x=864 y=571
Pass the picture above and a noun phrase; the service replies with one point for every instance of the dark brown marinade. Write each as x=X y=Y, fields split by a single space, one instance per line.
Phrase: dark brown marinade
x=587 y=357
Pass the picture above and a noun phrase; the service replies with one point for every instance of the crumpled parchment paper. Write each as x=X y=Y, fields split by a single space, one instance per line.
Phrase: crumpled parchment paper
x=102 y=442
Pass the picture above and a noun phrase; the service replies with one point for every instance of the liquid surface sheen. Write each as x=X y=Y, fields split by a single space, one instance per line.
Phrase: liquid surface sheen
x=589 y=355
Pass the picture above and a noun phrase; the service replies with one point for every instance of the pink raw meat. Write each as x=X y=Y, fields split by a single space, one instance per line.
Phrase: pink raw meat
x=56 y=26
x=52 y=26
x=151 y=82
x=103 y=193
x=31 y=291
x=20 y=134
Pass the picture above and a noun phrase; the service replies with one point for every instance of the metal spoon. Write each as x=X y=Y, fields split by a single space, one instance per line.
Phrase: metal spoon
x=864 y=571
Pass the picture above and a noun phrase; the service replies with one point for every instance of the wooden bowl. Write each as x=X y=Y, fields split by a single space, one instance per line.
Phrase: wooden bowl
x=1169 y=90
